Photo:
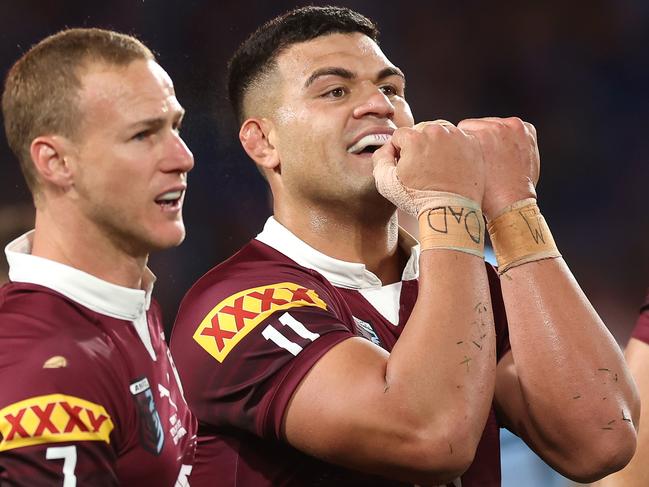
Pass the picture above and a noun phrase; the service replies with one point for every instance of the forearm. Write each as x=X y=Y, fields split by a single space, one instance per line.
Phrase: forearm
x=573 y=380
x=444 y=362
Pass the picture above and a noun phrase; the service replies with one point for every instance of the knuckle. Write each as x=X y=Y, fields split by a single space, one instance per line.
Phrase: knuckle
x=531 y=128
x=515 y=123
x=403 y=133
x=432 y=129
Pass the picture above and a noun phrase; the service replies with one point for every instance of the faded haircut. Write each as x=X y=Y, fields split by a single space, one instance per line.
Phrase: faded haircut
x=257 y=55
x=41 y=91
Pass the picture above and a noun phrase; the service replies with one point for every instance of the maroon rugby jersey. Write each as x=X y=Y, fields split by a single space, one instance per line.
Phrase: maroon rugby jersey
x=89 y=396
x=641 y=330
x=250 y=329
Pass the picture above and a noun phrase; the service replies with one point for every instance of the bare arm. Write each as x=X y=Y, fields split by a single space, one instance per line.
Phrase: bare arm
x=636 y=473
x=416 y=414
x=564 y=387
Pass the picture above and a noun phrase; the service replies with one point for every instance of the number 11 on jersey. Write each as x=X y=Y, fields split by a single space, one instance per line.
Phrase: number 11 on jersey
x=274 y=335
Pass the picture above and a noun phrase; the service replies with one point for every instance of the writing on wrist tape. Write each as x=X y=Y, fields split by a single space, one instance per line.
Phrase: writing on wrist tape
x=452 y=222
x=520 y=235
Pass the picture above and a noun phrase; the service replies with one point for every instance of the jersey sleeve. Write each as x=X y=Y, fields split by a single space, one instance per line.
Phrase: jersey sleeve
x=242 y=354
x=641 y=329
x=57 y=422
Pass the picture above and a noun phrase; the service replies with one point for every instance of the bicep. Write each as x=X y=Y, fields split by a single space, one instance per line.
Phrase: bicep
x=345 y=412
x=333 y=411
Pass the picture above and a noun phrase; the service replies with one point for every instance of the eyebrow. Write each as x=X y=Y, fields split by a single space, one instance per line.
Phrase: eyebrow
x=347 y=74
x=158 y=122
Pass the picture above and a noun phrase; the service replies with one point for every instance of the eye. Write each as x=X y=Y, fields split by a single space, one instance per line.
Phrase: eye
x=177 y=124
x=338 y=92
x=141 y=135
x=389 y=90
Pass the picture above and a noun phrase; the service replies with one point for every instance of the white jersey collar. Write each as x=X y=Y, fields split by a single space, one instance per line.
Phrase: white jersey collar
x=350 y=275
x=89 y=291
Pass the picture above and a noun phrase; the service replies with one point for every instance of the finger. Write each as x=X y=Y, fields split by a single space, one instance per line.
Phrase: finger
x=531 y=128
x=400 y=137
x=448 y=126
x=478 y=123
x=386 y=155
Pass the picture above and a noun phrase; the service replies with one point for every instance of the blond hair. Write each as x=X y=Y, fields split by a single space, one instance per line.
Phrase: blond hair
x=41 y=92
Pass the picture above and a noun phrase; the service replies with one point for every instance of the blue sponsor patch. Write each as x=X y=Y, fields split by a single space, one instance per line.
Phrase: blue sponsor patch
x=364 y=329
x=151 y=433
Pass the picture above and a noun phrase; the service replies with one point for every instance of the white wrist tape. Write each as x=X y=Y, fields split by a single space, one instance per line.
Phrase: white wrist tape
x=520 y=234
x=446 y=220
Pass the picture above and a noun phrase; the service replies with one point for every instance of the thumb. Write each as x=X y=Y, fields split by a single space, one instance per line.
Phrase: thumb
x=384 y=160
x=386 y=155
x=387 y=181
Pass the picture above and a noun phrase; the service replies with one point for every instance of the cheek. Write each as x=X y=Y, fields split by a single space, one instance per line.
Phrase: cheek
x=306 y=134
x=298 y=139
x=120 y=178
x=287 y=116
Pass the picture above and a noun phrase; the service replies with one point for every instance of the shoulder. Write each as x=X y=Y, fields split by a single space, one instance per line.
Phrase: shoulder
x=256 y=280
x=37 y=319
x=240 y=302
x=256 y=263
x=30 y=302
x=52 y=348
x=57 y=386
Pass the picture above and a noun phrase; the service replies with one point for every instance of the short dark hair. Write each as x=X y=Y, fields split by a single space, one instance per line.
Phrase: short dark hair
x=257 y=54
x=41 y=89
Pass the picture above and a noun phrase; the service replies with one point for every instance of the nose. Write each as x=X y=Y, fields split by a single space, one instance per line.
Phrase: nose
x=374 y=102
x=179 y=158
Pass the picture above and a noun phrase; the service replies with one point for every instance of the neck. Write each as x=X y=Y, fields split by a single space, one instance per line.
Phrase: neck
x=75 y=242
x=368 y=239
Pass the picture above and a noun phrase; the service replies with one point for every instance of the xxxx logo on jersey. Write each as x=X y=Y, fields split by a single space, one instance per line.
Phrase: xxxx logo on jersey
x=52 y=419
x=236 y=316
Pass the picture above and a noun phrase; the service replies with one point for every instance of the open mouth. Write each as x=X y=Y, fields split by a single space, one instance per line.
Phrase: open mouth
x=369 y=144
x=170 y=199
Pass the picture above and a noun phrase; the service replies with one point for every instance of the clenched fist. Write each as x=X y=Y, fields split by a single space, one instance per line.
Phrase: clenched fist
x=429 y=157
x=511 y=159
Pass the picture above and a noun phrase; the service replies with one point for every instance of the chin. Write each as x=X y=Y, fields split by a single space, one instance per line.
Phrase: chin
x=167 y=238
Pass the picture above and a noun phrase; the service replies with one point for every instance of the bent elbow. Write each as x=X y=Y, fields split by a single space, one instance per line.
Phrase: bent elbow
x=603 y=458
x=438 y=458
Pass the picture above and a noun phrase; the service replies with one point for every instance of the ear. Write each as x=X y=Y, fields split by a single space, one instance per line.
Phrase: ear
x=49 y=157
x=256 y=138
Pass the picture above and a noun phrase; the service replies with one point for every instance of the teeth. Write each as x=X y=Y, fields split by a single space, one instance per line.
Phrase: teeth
x=170 y=196
x=371 y=139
